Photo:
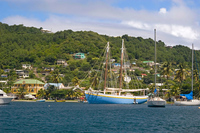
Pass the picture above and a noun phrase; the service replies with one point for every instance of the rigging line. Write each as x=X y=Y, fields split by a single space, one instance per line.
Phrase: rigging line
x=136 y=83
x=125 y=67
x=196 y=63
x=111 y=75
x=88 y=72
x=103 y=53
x=132 y=80
x=101 y=62
x=101 y=77
x=102 y=72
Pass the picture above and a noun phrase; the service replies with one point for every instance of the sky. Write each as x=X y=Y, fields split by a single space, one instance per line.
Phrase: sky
x=176 y=21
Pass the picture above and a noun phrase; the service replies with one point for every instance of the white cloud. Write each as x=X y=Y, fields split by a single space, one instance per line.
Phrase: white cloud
x=163 y=10
x=175 y=25
x=137 y=24
x=178 y=31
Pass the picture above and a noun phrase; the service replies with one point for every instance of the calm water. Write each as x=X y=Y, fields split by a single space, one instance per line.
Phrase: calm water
x=20 y=117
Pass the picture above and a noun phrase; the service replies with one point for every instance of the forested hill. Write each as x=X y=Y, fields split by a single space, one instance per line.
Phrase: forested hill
x=20 y=44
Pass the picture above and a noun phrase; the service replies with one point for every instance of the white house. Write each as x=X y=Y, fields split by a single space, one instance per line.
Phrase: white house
x=56 y=85
x=22 y=73
x=127 y=79
x=62 y=62
x=26 y=66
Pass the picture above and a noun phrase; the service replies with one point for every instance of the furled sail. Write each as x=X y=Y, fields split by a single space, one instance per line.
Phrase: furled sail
x=188 y=96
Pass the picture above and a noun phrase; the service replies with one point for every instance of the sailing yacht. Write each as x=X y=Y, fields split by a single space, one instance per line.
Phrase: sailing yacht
x=155 y=101
x=114 y=95
x=190 y=101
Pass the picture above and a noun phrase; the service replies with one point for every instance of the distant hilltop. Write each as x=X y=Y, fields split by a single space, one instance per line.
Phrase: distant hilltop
x=20 y=44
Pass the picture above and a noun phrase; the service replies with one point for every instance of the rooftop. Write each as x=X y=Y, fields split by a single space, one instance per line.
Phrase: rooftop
x=29 y=81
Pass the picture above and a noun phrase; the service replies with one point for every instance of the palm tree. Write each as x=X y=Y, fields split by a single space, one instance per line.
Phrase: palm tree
x=21 y=92
x=94 y=79
x=197 y=84
x=196 y=75
x=173 y=90
x=75 y=81
x=56 y=78
x=181 y=74
x=41 y=93
x=166 y=69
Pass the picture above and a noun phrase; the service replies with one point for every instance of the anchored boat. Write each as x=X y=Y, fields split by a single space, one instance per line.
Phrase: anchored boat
x=155 y=101
x=187 y=99
x=118 y=94
x=4 y=99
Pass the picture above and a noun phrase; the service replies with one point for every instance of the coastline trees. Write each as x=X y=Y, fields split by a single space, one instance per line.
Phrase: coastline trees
x=181 y=74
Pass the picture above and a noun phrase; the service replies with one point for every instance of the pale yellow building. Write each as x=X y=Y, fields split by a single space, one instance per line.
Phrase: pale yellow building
x=30 y=85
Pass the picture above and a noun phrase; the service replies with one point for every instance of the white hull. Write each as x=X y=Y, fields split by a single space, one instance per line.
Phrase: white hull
x=187 y=103
x=156 y=102
x=5 y=100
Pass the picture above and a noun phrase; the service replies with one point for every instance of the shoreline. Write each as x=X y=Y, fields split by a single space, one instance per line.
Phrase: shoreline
x=69 y=101
x=72 y=101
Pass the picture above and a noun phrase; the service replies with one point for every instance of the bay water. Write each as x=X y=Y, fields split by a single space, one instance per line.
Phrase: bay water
x=63 y=117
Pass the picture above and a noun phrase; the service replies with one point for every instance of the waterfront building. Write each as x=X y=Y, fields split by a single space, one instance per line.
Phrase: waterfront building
x=31 y=86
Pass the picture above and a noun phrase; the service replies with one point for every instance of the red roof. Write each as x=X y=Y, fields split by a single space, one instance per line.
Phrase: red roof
x=144 y=74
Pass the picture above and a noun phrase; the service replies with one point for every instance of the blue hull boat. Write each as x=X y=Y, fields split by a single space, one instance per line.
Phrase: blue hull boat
x=41 y=100
x=100 y=98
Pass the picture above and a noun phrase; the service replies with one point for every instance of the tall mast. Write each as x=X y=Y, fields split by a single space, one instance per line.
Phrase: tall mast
x=107 y=51
x=122 y=53
x=192 y=64
x=155 y=56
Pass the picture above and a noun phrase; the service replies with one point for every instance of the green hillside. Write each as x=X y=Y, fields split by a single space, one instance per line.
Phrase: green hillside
x=20 y=44
x=28 y=45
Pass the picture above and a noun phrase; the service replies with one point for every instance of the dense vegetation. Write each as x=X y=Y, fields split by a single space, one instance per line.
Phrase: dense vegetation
x=20 y=44
x=29 y=45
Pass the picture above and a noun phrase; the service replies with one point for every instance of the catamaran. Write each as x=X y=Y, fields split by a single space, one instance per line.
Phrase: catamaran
x=115 y=95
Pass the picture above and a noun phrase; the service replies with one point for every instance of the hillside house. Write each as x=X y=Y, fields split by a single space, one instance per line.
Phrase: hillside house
x=49 y=69
x=4 y=75
x=22 y=73
x=139 y=77
x=115 y=70
x=7 y=70
x=26 y=66
x=79 y=56
x=32 y=86
x=116 y=65
x=134 y=63
x=149 y=63
x=127 y=79
x=143 y=74
x=62 y=62
x=45 y=73
x=127 y=65
x=112 y=60
x=45 y=31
